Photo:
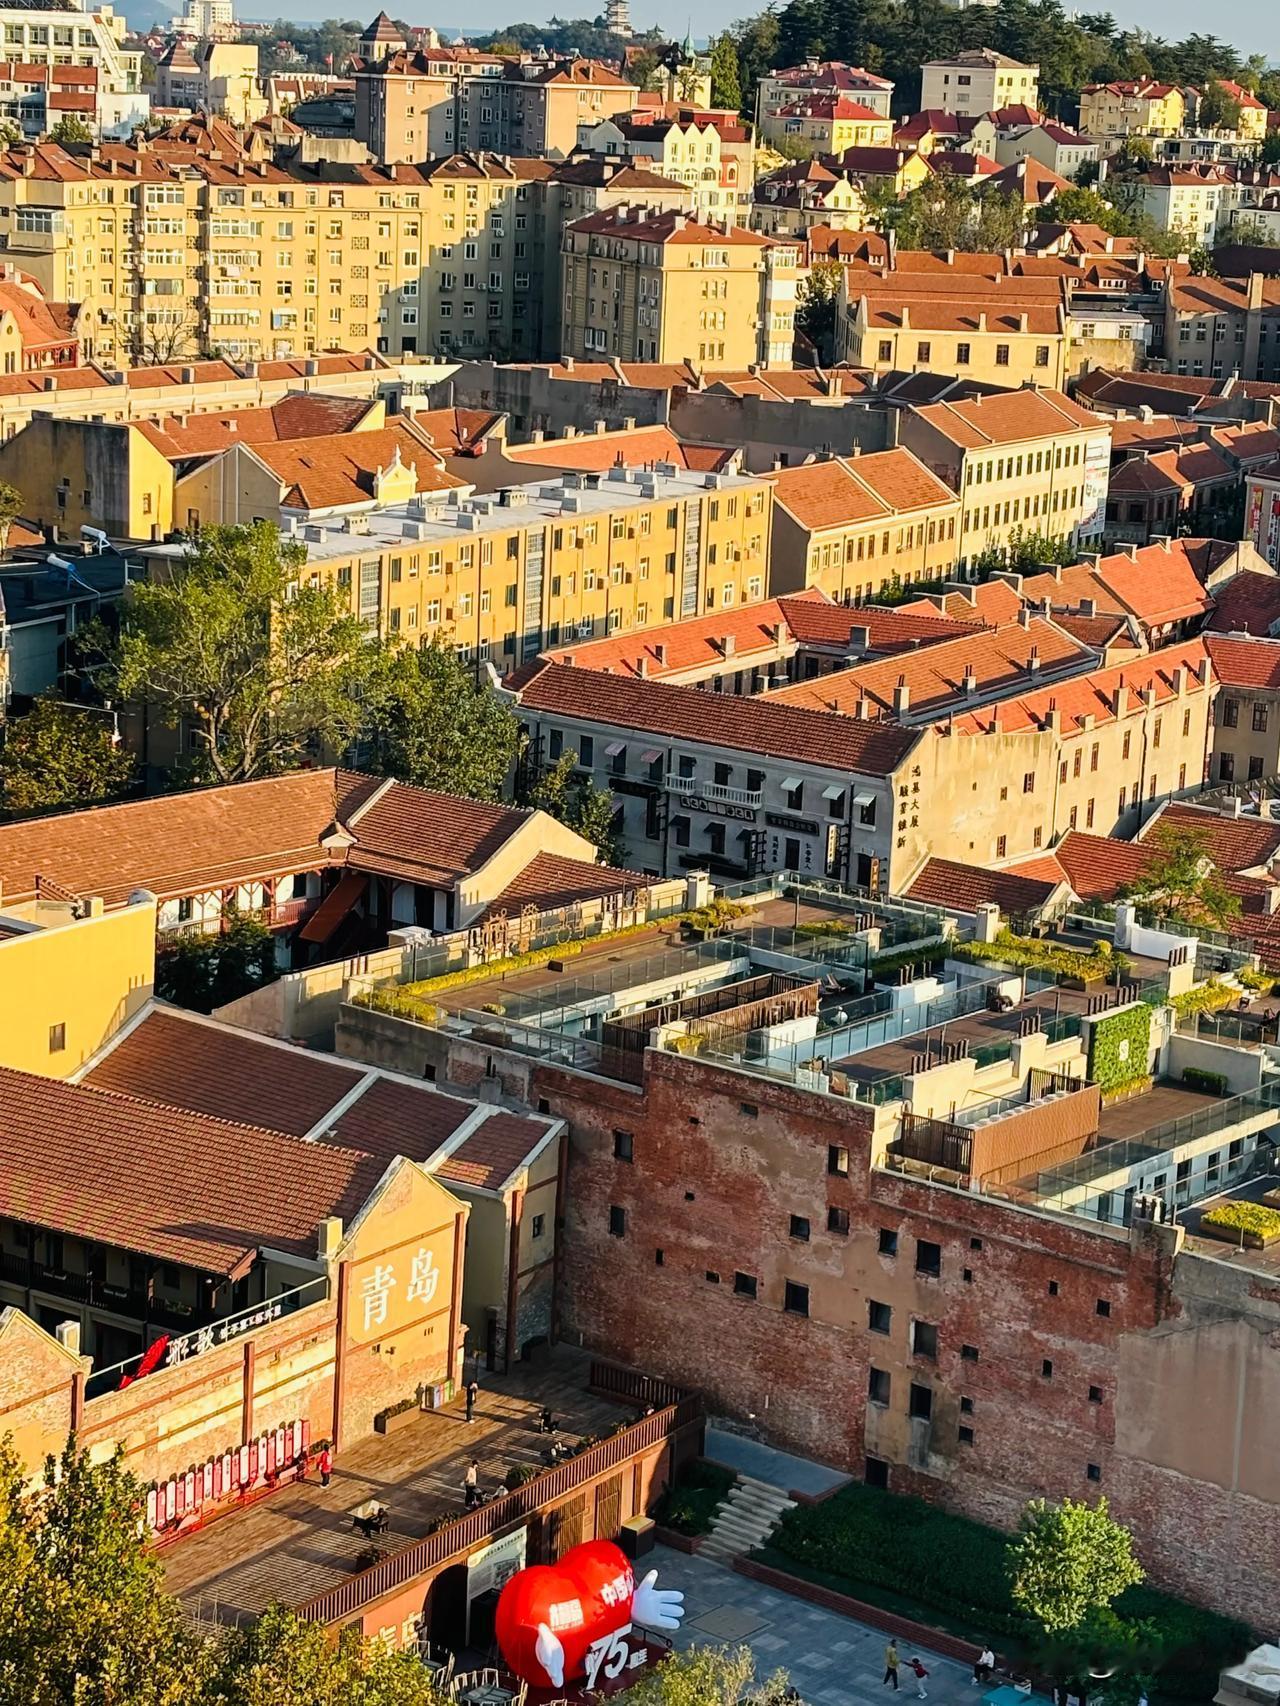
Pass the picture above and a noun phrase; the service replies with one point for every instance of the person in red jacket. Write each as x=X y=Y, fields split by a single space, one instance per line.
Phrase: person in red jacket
x=920 y=1674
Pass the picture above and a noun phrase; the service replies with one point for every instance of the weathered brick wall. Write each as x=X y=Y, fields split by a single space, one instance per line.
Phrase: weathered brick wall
x=1035 y=1315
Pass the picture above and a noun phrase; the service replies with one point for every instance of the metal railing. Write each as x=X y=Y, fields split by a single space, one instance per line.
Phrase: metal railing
x=476 y=1527
x=183 y=1347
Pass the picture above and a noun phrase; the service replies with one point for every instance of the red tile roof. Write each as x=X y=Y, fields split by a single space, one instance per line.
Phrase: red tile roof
x=998 y=658
x=888 y=631
x=598 y=452
x=1233 y=843
x=993 y=602
x=334 y=472
x=426 y=837
x=1245 y=663
x=1157 y=583
x=1090 y=695
x=944 y=882
x=456 y=432
x=1008 y=417
x=549 y=881
x=761 y=725
x=1248 y=603
x=302 y=414
x=181 y=1187
x=1096 y=866
x=847 y=491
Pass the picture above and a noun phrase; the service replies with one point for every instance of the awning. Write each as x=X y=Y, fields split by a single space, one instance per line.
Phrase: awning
x=335 y=906
x=833 y=793
x=791 y=783
x=617 y=747
x=650 y=757
x=861 y=800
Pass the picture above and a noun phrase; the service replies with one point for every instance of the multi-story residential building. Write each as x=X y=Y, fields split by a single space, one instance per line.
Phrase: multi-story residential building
x=1184 y=200
x=797 y=197
x=61 y=37
x=502 y=576
x=1001 y=331
x=1136 y=107
x=1220 y=327
x=851 y=526
x=1188 y=489
x=413 y=104
x=816 y=79
x=1262 y=512
x=827 y=124
x=1246 y=720
x=681 y=150
x=1028 y=461
x=1251 y=126
x=1062 y=150
x=641 y=285
x=979 y=80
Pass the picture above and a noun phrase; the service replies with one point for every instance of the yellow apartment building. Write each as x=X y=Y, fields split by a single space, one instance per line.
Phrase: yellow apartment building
x=68 y=983
x=851 y=525
x=1136 y=107
x=1004 y=331
x=504 y=576
x=828 y=125
x=1028 y=461
x=645 y=286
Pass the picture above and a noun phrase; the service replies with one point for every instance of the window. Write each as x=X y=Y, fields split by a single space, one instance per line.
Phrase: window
x=712 y=1277
x=879 y=1316
x=795 y=1300
x=838 y=1221
x=624 y=1146
x=57 y=1038
x=1002 y=846
x=886 y=344
x=1093 y=1471
x=1104 y=1306
x=966 y=1406
x=888 y=1241
x=922 y=350
x=1042 y=355
x=928 y=1257
x=1046 y=1369
x=962 y=355
x=749 y=1110
x=1029 y=782
x=969 y=1353
x=617 y=1221
x=1259 y=719
x=744 y=1285
x=659 y=1258
x=1095 y=1395
x=920 y=1409
x=1002 y=355
x=1053 y=1288
x=878 y=1386
x=924 y=1340
x=800 y=1228
x=1230 y=713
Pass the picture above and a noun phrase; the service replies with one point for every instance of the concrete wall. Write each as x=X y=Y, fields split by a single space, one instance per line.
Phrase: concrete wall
x=539 y=401
x=1242 y=1068
x=792 y=432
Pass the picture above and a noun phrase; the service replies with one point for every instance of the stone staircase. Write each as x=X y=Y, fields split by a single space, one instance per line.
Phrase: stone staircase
x=744 y=1520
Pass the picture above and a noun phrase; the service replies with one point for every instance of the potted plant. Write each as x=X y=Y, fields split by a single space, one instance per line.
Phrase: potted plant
x=396 y=1416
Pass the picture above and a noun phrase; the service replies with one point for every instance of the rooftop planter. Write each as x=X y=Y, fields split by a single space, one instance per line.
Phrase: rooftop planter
x=1073 y=968
x=397 y=1416
x=1250 y=1224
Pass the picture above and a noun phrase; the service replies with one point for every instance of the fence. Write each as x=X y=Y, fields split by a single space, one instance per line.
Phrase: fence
x=183 y=1347
x=477 y=1527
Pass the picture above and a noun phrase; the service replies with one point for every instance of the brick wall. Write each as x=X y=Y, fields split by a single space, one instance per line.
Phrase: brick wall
x=1036 y=1316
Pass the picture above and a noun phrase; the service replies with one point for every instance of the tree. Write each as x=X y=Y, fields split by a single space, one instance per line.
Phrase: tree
x=204 y=970
x=11 y=501
x=86 y=1619
x=10 y=133
x=576 y=802
x=281 y=1661
x=68 y=129
x=1137 y=150
x=264 y=670
x=642 y=69
x=62 y=755
x=816 y=307
x=707 y=1677
x=1218 y=108
x=726 y=79
x=157 y=342
x=1270 y=154
x=428 y=722
x=1181 y=882
x=1069 y=1560
x=1025 y=553
x=756 y=40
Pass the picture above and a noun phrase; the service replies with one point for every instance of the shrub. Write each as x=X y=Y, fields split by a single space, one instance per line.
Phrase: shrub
x=1031 y=951
x=517 y=1474
x=1252 y=1217
x=689 y=1505
x=1204 y=998
x=1212 y=1083
x=926 y=958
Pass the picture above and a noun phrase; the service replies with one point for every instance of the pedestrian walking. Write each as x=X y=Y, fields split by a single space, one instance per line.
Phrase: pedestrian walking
x=471 y=1484
x=984 y=1665
x=473 y=1392
x=920 y=1674
x=891 y=1665
x=326 y=1466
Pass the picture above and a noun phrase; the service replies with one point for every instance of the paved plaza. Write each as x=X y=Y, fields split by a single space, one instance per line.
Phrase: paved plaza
x=831 y=1660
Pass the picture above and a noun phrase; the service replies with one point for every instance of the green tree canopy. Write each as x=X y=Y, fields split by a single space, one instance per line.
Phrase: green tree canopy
x=726 y=79
x=280 y=1661
x=61 y=755
x=11 y=501
x=429 y=722
x=262 y=669
x=206 y=969
x=575 y=801
x=707 y=1676
x=1181 y=882
x=1069 y=1560
x=69 y=128
x=1026 y=552
x=1218 y=109
x=816 y=307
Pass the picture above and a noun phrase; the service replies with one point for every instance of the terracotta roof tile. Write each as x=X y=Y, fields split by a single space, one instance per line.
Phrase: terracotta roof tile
x=333 y=472
x=488 y=1156
x=456 y=432
x=992 y=602
x=1092 y=694
x=846 y=491
x=302 y=414
x=549 y=881
x=1233 y=843
x=182 y=1187
x=433 y=836
x=744 y=724
x=1245 y=663
x=1248 y=603
x=1096 y=866
x=944 y=882
x=230 y=1075
x=1008 y=417
x=1158 y=584
x=999 y=659
x=598 y=452
x=820 y=623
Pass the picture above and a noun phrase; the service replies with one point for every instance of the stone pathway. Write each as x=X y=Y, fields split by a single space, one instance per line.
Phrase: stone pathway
x=831 y=1660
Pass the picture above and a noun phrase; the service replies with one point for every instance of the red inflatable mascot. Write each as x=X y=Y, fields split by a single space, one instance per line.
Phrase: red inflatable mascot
x=560 y=1622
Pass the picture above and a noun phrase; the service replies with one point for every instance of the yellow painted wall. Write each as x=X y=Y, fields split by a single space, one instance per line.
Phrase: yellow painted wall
x=108 y=476
x=89 y=976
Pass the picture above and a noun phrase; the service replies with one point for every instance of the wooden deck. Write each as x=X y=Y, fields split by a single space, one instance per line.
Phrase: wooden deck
x=300 y=1541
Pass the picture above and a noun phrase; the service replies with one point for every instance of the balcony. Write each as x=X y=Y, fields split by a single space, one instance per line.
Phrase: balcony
x=26 y=1272
x=689 y=788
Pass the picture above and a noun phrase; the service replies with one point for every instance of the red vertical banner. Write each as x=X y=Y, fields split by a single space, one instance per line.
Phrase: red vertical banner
x=152 y=1504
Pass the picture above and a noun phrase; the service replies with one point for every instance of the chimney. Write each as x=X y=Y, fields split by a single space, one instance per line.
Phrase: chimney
x=329 y=1238
x=970 y=679
x=67 y=1333
x=1253 y=290
x=728 y=645
x=1033 y=662
x=901 y=696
